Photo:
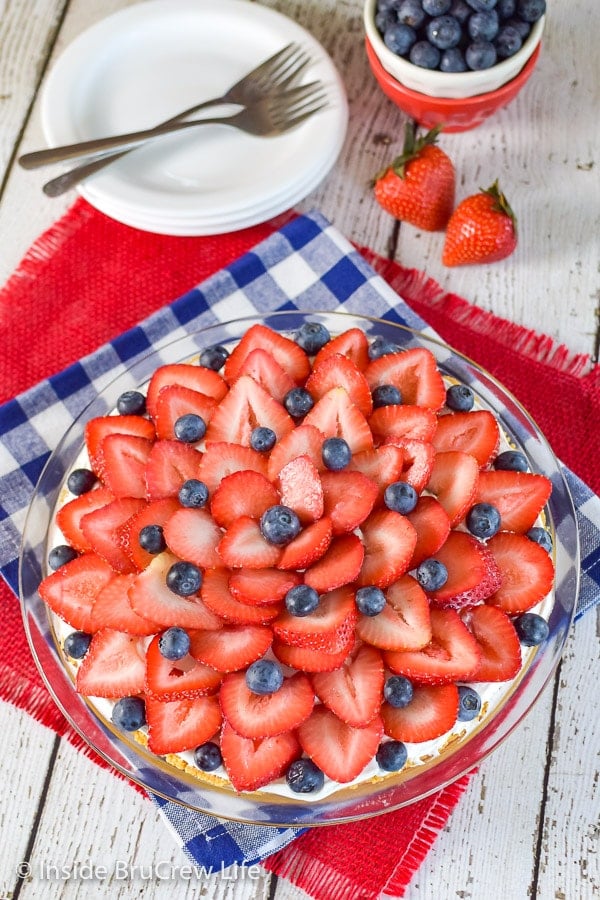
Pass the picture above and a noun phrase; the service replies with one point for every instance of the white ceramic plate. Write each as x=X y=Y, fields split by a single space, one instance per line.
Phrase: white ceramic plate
x=149 y=61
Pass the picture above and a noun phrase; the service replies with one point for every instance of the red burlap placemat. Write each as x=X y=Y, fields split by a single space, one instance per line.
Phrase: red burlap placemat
x=88 y=279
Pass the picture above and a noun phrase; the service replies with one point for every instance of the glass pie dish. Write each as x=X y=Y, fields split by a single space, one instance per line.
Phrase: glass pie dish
x=453 y=755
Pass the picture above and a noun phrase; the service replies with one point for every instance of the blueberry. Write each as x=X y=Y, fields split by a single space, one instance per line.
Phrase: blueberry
x=484 y=26
x=279 y=525
x=460 y=398
x=523 y=28
x=399 y=38
x=304 y=777
x=506 y=8
x=386 y=395
x=298 y=402
x=174 y=643
x=190 y=428
x=436 y=7
x=532 y=629
x=301 y=600
x=61 y=555
x=453 y=60
x=398 y=691
x=80 y=481
x=184 y=579
x=480 y=55
x=401 y=497
x=469 y=703
x=391 y=756
x=193 y=493
x=208 y=756
x=381 y=347
x=531 y=10
x=76 y=644
x=370 y=600
x=540 y=536
x=312 y=337
x=508 y=41
x=131 y=403
x=461 y=10
x=262 y=439
x=483 y=520
x=411 y=12
x=214 y=357
x=264 y=676
x=513 y=460
x=432 y=574
x=151 y=539
x=482 y=5
x=383 y=20
x=425 y=55
x=444 y=32
x=386 y=5
x=335 y=453
x=129 y=713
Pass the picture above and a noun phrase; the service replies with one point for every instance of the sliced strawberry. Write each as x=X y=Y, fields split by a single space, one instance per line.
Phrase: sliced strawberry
x=418 y=461
x=305 y=440
x=175 y=680
x=498 y=642
x=113 y=666
x=526 y=570
x=243 y=545
x=354 y=692
x=102 y=527
x=170 y=464
x=251 y=764
x=474 y=432
x=431 y=712
x=125 y=460
x=336 y=416
x=151 y=598
x=178 y=725
x=389 y=541
x=176 y=400
x=310 y=545
x=112 y=609
x=100 y=427
x=349 y=497
x=193 y=535
x=69 y=516
x=339 y=750
x=430 y=521
x=243 y=493
x=300 y=488
x=221 y=459
x=327 y=628
x=306 y=660
x=284 y=351
x=232 y=647
x=453 y=481
x=340 y=564
x=383 y=465
x=266 y=715
x=451 y=655
x=414 y=372
x=259 y=586
x=264 y=369
x=352 y=343
x=71 y=591
x=196 y=378
x=473 y=574
x=397 y=422
x=216 y=595
x=339 y=371
x=246 y=406
x=519 y=497
x=405 y=621
x=156 y=513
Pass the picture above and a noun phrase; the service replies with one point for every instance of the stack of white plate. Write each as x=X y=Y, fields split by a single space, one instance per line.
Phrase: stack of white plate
x=148 y=62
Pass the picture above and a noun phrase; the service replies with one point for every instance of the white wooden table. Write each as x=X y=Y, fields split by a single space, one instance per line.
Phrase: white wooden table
x=528 y=825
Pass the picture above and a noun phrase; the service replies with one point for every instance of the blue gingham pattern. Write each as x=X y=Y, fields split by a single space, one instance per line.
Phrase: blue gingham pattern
x=306 y=265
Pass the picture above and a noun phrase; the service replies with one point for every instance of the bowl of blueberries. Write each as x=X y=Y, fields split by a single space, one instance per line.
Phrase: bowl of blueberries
x=453 y=49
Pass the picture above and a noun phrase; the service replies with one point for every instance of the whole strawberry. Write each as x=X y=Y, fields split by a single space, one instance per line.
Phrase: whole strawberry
x=482 y=229
x=418 y=187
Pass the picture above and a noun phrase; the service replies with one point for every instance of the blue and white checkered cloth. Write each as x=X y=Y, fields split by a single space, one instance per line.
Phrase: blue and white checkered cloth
x=307 y=265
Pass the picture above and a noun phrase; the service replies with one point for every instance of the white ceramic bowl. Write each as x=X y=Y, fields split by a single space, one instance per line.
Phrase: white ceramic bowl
x=454 y=85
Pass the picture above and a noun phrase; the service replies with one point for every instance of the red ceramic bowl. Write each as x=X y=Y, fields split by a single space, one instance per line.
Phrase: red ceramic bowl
x=454 y=115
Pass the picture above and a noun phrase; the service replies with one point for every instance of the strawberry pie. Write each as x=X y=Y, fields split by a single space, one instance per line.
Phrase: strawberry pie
x=299 y=562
